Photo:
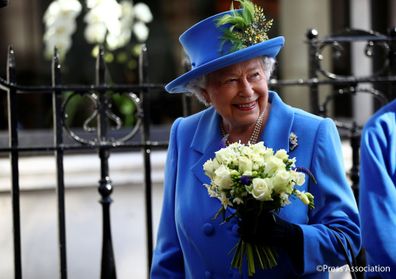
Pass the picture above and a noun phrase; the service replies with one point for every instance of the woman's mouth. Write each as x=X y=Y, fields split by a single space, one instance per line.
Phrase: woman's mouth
x=246 y=106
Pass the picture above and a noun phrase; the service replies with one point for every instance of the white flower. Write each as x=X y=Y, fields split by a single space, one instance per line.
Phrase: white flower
x=226 y=155
x=209 y=168
x=116 y=41
x=141 y=31
x=245 y=165
x=127 y=12
x=262 y=189
x=282 y=154
x=224 y=200
x=60 y=24
x=107 y=12
x=298 y=177
x=61 y=9
x=282 y=182
x=222 y=177
x=246 y=151
x=107 y=21
x=211 y=190
x=284 y=199
x=62 y=43
x=95 y=32
x=274 y=164
x=237 y=200
x=143 y=13
x=302 y=196
x=239 y=172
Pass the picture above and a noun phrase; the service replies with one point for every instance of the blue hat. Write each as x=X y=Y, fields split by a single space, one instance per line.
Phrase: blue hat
x=208 y=52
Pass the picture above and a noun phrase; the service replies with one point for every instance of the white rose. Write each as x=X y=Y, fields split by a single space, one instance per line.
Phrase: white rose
x=282 y=154
x=267 y=153
x=225 y=155
x=298 y=177
x=261 y=189
x=222 y=177
x=244 y=164
x=274 y=164
x=209 y=168
x=246 y=151
x=281 y=182
x=258 y=147
x=258 y=161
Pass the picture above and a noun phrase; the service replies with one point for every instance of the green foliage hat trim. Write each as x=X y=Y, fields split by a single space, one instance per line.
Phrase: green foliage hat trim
x=245 y=27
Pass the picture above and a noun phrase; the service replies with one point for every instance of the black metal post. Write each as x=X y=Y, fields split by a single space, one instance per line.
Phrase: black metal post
x=3 y=3
x=145 y=138
x=354 y=173
x=14 y=157
x=108 y=269
x=392 y=61
x=59 y=154
x=312 y=35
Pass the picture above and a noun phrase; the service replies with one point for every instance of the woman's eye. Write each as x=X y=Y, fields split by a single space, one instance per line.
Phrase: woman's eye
x=231 y=80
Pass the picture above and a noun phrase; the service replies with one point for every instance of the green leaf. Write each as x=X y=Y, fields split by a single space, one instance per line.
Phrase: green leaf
x=236 y=20
x=250 y=259
x=248 y=11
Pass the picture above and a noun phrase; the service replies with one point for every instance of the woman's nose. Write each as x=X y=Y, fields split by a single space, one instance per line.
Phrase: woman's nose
x=246 y=89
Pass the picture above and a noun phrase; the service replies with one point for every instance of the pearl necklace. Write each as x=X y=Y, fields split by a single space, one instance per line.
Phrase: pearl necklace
x=255 y=134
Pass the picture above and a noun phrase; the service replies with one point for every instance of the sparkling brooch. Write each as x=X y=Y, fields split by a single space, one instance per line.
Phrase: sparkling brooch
x=293 y=143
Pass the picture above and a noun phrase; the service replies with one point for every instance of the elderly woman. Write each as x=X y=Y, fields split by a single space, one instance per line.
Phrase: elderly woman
x=233 y=82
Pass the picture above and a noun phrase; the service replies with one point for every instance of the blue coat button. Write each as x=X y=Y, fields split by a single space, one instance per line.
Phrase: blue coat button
x=208 y=275
x=235 y=229
x=208 y=229
x=234 y=274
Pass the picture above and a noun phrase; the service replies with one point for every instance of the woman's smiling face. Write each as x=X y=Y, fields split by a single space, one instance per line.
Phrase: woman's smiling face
x=239 y=93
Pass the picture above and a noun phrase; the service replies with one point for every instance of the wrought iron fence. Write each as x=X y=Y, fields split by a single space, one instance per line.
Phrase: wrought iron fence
x=104 y=142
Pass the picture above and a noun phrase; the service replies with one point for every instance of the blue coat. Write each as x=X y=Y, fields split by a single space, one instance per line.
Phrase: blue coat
x=378 y=190
x=191 y=244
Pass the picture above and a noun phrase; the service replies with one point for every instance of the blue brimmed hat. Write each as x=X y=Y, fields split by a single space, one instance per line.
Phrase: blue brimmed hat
x=208 y=52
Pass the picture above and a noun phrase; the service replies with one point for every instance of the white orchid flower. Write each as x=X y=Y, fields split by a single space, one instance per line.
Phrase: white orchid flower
x=141 y=31
x=143 y=13
x=62 y=43
x=95 y=33
x=127 y=11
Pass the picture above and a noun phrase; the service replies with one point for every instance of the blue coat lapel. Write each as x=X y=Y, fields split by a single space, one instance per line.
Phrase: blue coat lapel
x=207 y=137
x=206 y=141
x=279 y=125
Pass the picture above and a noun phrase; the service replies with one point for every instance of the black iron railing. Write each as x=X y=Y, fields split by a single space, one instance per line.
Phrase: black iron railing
x=104 y=142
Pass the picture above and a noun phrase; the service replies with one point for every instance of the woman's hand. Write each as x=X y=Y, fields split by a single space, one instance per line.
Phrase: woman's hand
x=269 y=229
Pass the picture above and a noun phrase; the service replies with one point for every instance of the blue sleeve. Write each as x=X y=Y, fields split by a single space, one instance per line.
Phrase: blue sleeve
x=167 y=256
x=335 y=205
x=378 y=194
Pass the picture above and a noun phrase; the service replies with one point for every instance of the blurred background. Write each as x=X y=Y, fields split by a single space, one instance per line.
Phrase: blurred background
x=23 y=25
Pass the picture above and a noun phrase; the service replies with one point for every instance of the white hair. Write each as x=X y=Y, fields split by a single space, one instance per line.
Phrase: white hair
x=196 y=85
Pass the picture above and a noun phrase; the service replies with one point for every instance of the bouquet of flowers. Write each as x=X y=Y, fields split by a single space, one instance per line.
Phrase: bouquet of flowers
x=253 y=179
